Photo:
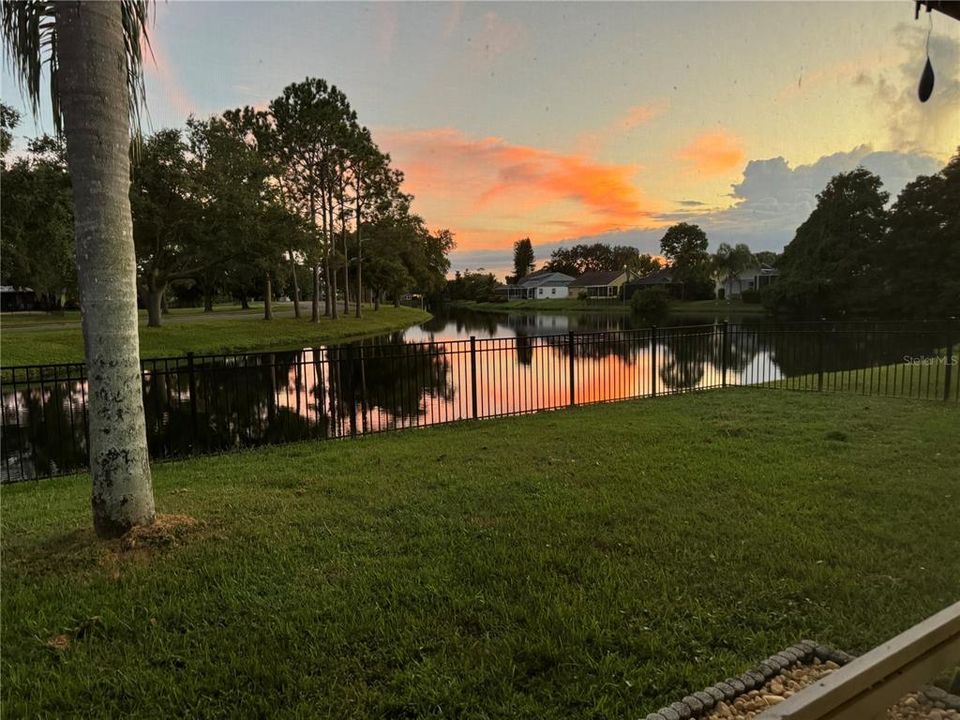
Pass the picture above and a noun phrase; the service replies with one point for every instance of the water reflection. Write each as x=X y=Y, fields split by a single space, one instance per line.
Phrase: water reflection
x=423 y=376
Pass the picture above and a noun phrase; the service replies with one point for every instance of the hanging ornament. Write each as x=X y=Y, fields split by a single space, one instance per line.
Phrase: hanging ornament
x=925 y=89
x=926 y=82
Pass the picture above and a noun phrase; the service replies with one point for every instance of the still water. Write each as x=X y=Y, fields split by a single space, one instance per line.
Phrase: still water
x=421 y=376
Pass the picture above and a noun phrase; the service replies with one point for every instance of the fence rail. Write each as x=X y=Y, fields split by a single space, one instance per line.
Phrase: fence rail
x=204 y=403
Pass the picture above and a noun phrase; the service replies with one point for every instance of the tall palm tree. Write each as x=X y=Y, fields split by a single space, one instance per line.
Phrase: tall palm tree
x=93 y=55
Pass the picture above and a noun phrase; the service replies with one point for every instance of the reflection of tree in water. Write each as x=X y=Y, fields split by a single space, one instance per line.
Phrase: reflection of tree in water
x=851 y=346
x=686 y=354
x=51 y=435
x=467 y=322
x=524 y=348
x=390 y=375
x=241 y=401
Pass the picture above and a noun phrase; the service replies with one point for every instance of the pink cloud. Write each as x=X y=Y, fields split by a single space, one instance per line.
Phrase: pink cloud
x=713 y=153
x=157 y=65
x=490 y=191
x=636 y=115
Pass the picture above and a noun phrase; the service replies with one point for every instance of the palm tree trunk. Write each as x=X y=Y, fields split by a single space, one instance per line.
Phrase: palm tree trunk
x=93 y=97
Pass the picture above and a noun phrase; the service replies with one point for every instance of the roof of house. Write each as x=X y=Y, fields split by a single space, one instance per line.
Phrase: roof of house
x=544 y=277
x=663 y=276
x=595 y=279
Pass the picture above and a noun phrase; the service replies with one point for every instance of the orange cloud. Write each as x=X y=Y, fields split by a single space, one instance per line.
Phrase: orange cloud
x=489 y=191
x=713 y=153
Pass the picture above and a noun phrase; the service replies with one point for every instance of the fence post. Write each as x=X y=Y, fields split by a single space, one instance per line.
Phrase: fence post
x=653 y=361
x=473 y=374
x=570 y=348
x=725 y=353
x=193 y=398
x=820 y=339
x=948 y=370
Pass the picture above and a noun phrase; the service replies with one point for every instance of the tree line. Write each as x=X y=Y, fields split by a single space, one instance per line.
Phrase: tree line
x=295 y=199
x=855 y=256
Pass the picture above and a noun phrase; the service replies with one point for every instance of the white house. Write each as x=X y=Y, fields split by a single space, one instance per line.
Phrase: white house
x=755 y=278
x=540 y=285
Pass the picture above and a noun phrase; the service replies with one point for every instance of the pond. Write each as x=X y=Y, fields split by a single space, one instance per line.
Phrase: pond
x=426 y=375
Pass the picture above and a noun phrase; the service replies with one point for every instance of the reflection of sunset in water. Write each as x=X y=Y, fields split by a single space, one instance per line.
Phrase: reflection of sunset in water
x=217 y=403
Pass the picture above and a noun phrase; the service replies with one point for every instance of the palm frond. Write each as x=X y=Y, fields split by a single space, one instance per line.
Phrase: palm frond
x=29 y=30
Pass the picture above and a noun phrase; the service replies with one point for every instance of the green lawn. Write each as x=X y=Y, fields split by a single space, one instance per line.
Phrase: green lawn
x=925 y=378
x=732 y=307
x=205 y=333
x=597 y=562
x=14 y=320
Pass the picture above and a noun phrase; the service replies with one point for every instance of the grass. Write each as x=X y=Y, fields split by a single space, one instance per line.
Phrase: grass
x=925 y=377
x=732 y=307
x=696 y=307
x=560 y=304
x=30 y=318
x=210 y=333
x=598 y=562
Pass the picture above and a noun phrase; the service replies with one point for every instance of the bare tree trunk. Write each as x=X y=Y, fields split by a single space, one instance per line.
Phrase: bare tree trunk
x=346 y=254
x=244 y=300
x=315 y=301
x=376 y=300
x=359 y=313
x=296 y=287
x=93 y=96
x=268 y=299
x=207 y=298
x=164 y=307
x=154 y=304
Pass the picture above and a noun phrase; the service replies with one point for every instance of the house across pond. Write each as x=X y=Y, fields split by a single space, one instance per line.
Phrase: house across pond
x=539 y=285
x=599 y=285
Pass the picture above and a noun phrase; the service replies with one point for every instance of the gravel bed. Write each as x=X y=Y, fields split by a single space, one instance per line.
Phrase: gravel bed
x=782 y=675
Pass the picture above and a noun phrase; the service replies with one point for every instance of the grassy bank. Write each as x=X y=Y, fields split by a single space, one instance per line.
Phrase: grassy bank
x=214 y=332
x=693 y=307
x=586 y=563
x=924 y=377
x=558 y=305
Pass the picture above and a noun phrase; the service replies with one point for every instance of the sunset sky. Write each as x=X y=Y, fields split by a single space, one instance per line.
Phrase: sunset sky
x=588 y=120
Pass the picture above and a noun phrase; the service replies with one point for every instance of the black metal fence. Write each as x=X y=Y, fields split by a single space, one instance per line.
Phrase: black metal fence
x=215 y=403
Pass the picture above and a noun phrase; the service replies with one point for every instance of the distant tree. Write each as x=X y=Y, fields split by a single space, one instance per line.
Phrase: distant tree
x=831 y=267
x=165 y=216
x=94 y=53
x=767 y=257
x=523 y=259
x=600 y=257
x=475 y=286
x=9 y=120
x=921 y=253
x=36 y=225
x=730 y=261
x=650 y=305
x=685 y=246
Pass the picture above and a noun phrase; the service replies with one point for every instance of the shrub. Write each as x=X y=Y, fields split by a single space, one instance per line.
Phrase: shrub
x=650 y=305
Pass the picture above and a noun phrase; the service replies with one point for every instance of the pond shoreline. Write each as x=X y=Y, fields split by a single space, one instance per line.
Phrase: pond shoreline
x=695 y=307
